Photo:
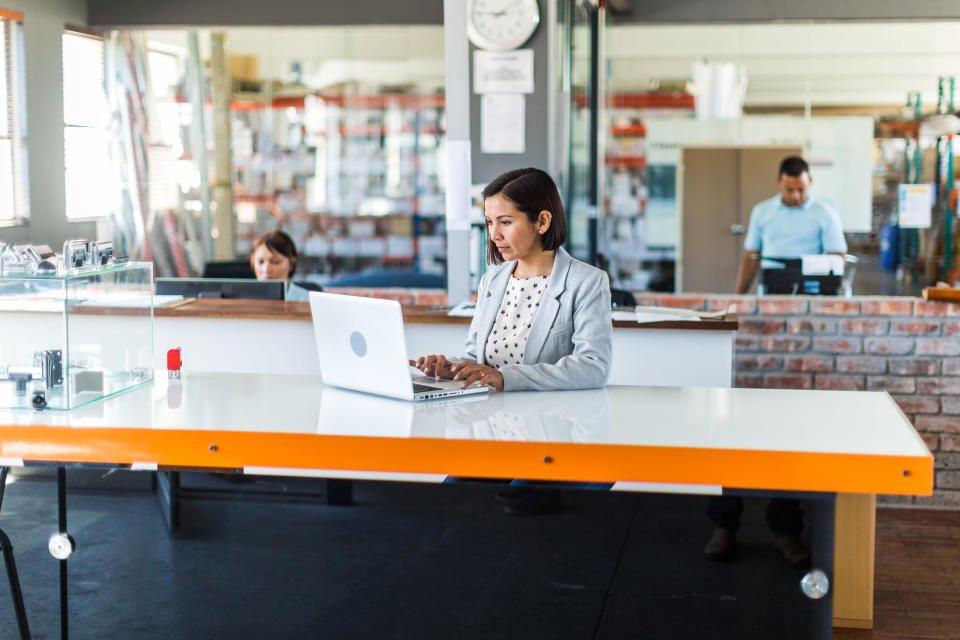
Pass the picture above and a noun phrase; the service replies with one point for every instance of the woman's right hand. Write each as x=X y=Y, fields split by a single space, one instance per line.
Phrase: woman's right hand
x=435 y=366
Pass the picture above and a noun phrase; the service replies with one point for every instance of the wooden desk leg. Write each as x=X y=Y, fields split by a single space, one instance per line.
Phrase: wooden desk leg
x=856 y=528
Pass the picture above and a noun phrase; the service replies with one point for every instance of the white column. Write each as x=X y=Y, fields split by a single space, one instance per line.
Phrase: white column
x=457 y=89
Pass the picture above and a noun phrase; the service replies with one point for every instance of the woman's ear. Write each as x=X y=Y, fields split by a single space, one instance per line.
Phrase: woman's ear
x=543 y=221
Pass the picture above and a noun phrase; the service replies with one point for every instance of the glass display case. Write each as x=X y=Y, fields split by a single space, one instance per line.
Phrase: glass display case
x=74 y=336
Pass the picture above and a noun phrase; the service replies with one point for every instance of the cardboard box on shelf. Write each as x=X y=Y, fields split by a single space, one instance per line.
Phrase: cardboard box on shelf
x=400 y=245
x=361 y=228
x=316 y=246
x=245 y=68
x=401 y=226
x=371 y=247
x=344 y=247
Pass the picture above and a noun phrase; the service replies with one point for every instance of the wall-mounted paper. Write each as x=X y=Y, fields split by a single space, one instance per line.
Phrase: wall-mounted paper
x=503 y=71
x=502 y=128
x=916 y=204
x=458 y=185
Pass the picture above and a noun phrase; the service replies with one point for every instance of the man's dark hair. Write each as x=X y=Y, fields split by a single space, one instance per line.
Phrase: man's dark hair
x=531 y=191
x=794 y=167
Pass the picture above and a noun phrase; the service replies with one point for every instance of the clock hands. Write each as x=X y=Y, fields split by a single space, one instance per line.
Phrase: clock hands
x=497 y=14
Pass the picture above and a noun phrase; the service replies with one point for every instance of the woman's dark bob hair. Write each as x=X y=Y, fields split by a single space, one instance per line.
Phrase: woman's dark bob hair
x=278 y=242
x=531 y=191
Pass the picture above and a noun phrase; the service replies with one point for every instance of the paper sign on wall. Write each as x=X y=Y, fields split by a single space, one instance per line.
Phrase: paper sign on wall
x=458 y=185
x=502 y=128
x=916 y=205
x=503 y=71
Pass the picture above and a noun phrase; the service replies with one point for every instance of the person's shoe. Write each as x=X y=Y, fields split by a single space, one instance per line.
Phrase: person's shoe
x=722 y=545
x=530 y=501
x=792 y=550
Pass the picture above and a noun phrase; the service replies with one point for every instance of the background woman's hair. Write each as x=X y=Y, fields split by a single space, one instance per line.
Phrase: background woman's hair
x=531 y=191
x=278 y=242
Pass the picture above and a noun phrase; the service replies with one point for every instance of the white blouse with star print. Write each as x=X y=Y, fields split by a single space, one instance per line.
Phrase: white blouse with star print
x=508 y=337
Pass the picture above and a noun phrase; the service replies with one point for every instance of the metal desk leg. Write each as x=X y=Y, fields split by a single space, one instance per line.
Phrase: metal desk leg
x=168 y=495
x=61 y=546
x=15 y=593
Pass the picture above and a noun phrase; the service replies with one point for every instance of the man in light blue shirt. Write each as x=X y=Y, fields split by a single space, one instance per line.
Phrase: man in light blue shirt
x=790 y=224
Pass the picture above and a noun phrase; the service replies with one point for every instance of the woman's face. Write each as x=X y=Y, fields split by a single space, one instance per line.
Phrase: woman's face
x=510 y=230
x=270 y=265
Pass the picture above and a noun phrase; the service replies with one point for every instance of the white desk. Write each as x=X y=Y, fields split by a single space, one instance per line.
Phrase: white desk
x=697 y=437
x=650 y=439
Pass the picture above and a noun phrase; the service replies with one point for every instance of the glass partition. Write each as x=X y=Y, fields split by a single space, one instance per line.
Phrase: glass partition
x=333 y=135
x=865 y=103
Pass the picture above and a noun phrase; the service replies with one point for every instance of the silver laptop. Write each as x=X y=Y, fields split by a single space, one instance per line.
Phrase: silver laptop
x=361 y=346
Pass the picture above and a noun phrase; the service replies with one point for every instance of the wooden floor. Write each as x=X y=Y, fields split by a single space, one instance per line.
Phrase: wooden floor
x=917 y=577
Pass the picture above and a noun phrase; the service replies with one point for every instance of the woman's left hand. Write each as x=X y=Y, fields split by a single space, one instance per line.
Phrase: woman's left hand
x=471 y=372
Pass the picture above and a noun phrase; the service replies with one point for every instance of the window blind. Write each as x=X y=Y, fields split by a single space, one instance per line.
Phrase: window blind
x=14 y=198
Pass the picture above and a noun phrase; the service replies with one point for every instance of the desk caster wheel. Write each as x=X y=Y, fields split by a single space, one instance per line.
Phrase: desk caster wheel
x=61 y=545
x=815 y=584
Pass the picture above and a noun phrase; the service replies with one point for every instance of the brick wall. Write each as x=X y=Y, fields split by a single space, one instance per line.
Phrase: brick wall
x=906 y=346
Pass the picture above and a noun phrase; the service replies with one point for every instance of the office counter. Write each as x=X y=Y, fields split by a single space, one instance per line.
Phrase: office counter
x=226 y=335
x=641 y=439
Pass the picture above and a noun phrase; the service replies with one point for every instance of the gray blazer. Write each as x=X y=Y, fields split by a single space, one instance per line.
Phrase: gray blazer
x=569 y=344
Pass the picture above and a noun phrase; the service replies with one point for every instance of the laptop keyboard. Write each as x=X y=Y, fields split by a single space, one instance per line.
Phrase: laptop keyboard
x=419 y=388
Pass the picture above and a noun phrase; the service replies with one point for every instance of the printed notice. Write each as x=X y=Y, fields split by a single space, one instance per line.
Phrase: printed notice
x=502 y=128
x=503 y=71
x=458 y=185
x=916 y=205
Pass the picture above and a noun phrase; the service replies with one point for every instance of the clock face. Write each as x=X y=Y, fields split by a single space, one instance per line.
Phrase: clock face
x=502 y=24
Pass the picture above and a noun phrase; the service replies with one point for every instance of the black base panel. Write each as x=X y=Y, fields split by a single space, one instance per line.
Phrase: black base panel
x=405 y=561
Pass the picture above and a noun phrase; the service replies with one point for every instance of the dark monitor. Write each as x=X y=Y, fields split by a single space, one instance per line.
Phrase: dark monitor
x=791 y=280
x=221 y=288
x=228 y=269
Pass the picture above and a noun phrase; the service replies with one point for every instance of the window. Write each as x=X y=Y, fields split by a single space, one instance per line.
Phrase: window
x=14 y=199
x=90 y=169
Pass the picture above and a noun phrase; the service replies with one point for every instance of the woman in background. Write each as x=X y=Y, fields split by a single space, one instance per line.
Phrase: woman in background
x=274 y=257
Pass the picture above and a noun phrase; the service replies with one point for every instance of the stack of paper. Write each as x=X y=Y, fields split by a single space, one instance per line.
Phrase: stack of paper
x=665 y=314
x=464 y=309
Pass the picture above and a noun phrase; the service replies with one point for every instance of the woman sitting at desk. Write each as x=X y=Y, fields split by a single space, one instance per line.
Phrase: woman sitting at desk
x=274 y=257
x=542 y=320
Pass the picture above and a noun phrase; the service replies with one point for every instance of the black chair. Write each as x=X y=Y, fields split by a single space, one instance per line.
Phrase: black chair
x=622 y=298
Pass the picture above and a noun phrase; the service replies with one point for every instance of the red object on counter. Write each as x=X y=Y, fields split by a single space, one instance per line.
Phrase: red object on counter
x=173 y=359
